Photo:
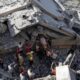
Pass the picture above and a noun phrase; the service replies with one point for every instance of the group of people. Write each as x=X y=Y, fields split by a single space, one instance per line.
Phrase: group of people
x=25 y=58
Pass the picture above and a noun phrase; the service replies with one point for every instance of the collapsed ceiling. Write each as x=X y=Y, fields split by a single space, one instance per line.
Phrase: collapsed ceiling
x=21 y=18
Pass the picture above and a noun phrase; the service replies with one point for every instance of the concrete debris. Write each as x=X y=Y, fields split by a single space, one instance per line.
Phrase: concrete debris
x=64 y=72
x=37 y=33
x=19 y=16
x=3 y=28
x=21 y=20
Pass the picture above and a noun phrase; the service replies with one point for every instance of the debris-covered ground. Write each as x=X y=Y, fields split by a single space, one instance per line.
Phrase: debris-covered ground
x=37 y=37
x=40 y=67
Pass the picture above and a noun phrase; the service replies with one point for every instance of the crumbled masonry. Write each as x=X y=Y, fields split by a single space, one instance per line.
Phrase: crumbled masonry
x=39 y=39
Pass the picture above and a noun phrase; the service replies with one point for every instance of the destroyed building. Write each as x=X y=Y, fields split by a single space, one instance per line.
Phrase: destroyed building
x=25 y=20
x=21 y=18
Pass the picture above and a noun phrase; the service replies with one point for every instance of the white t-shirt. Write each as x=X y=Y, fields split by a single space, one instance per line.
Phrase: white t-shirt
x=22 y=77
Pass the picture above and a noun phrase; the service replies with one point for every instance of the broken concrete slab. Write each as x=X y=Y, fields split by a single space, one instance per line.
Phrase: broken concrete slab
x=65 y=73
x=46 y=8
x=6 y=10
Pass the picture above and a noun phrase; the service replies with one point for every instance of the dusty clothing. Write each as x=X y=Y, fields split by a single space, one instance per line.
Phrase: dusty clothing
x=21 y=60
x=41 y=54
x=30 y=58
x=22 y=77
x=30 y=55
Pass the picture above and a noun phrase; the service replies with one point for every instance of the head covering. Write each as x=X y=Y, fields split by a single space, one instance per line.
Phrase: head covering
x=28 y=47
x=18 y=50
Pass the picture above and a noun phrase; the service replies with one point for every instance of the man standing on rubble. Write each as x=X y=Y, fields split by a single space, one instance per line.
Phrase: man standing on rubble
x=42 y=49
x=40 y=52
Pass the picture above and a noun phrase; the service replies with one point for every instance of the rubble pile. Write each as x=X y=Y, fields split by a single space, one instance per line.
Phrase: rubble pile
x=71 y=4
x=26 y=19
x=36 y=36
x=41 y=67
